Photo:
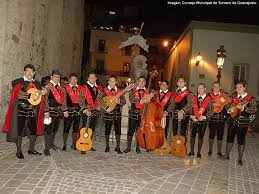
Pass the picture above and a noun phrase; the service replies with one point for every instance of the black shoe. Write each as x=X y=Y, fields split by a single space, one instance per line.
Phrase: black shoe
x=190 y=154
x=209 y=153
x=55 y=148
x=127 y=150
x=219 y=155
x=240 y=162
x=83 y=152
x=64 y=148
x=19 y=155
x=92 y=150
x=225 y=157
x=118 y=150
x=46 y=153
x=199 y=155
x=138 y=150
x=107 y=149
x=34 y=152
x=73 y=147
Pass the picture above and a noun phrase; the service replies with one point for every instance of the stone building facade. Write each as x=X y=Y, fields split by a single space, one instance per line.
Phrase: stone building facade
x=46 y=33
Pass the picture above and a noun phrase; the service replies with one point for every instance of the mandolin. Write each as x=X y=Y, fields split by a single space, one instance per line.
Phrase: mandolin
x=179 y=147
x=34 y=91
x=110 y=100
x=84 y=141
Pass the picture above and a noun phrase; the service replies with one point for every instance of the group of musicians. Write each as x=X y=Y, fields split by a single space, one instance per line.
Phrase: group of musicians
x=76 y=103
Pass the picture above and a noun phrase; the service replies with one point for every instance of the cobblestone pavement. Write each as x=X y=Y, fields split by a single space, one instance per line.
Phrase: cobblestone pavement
x=99 y=172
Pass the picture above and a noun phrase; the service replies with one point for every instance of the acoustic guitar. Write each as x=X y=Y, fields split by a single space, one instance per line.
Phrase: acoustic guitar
x=236 y=112
x=84 y=141
x=37 y=92
x=179 y=147
x=221 y=102
x=110 y=102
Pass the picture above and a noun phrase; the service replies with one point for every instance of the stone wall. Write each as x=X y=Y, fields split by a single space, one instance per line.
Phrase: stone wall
x=46 y=33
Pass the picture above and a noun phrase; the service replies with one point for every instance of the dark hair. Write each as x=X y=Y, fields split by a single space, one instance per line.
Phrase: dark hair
x=45 y=80
x=113 y=76
x=91 y=72
x=29 y=66
x=216 y=82
x=202 y=84
x=242 y=82
x=55 y=72
x=72 y=75
x=181 y=78
x=163 y=80
x=141 y=77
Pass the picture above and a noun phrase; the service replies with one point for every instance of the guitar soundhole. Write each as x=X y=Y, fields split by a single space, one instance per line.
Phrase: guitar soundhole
x=84 y=143
x=85 y=135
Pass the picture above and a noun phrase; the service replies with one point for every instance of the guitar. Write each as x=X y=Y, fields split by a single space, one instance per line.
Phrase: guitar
x=221 y=102
x=165 y=149
x=38 y=93
x=110 y=100
x=236 y=112
x=84 y=141
x=178 y=147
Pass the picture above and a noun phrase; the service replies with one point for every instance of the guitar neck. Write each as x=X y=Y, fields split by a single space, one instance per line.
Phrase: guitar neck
x=179 y=128
x=88 y=122
x=121 y=93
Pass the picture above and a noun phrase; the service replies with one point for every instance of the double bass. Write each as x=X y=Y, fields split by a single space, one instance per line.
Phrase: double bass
x=150 y=134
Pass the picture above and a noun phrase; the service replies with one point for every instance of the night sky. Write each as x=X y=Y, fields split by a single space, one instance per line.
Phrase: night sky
x=163 y=19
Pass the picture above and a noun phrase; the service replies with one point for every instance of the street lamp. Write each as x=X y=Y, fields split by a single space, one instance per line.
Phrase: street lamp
x=165 y=43
x=220 y=60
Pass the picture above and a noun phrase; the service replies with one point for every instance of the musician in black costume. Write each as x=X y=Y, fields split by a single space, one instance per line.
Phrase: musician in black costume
x=137 y=96
x=71 y=109
x=89 y=103
x=23 y=118
x=217 y=121
x=112 y=117
x=54 y=100
x=202 y=110
x=247 y=106
x=181 y=106
x=164 y=98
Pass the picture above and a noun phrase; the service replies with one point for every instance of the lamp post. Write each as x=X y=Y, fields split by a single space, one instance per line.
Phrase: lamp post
x=220 y=60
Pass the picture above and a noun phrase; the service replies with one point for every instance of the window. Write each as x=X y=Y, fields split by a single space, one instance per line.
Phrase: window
x=99 y=65
x=101 y=46
x=126 y=68
x=240 y=73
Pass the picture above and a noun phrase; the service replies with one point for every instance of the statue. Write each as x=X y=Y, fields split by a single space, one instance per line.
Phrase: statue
x=138 y=67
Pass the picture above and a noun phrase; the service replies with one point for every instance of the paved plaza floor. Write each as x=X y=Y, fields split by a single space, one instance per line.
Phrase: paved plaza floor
x=99 y=172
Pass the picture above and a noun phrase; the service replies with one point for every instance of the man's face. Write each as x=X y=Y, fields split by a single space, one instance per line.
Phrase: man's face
x=181 y=83
x=141 y=82
x=92 y=78
x=201 y=89
x=240 y=88
x=112 y=82
x=55 y=78
x=73 y=80
x=163 y=86
x=29 y=73
x=216 y=87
